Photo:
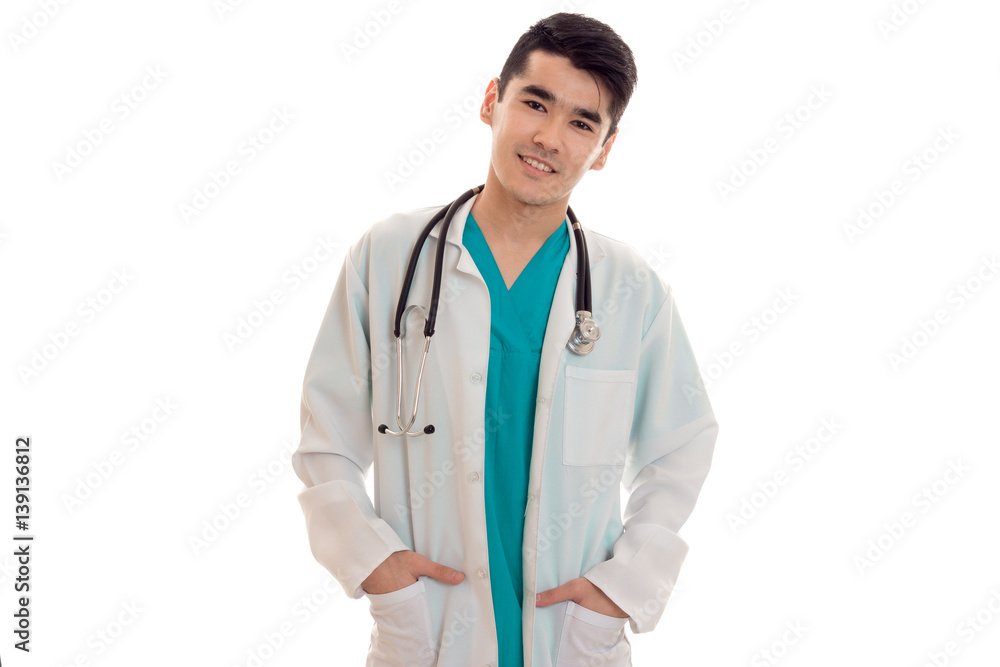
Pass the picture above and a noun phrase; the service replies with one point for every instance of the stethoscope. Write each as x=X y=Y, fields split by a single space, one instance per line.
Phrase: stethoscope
x=581 y=342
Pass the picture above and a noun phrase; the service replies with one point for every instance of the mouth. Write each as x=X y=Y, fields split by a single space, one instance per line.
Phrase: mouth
x=537 y=166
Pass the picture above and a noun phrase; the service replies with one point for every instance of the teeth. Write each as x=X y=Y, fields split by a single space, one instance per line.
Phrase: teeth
x=537 y=165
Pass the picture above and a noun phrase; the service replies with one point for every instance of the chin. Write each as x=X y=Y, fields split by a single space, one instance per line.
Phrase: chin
x=534 y=198
x=530 y=192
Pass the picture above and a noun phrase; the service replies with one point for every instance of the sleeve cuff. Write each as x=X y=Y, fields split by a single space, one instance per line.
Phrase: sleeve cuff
x=659 y=552
x=347 y=540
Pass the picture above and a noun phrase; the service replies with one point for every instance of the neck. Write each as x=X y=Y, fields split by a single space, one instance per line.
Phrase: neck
x=514 y=222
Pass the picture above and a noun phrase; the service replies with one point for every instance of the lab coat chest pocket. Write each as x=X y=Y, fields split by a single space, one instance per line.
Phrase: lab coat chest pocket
x=597 y=415
x=402 y=632
x=590 y=638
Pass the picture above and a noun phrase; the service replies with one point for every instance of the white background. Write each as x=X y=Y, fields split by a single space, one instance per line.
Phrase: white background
x=890 y=89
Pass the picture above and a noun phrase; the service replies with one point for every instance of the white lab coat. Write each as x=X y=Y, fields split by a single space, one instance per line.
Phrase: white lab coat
x=633 y=412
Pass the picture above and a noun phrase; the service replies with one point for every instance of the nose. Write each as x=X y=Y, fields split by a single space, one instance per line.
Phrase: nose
x=547 y=134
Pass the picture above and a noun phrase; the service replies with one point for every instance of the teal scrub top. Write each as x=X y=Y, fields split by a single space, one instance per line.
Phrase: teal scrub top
x=518 y=318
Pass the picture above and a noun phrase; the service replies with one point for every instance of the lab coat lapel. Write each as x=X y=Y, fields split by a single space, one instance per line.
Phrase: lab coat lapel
x=562 y=314
x=564 y=299
x=466 y=263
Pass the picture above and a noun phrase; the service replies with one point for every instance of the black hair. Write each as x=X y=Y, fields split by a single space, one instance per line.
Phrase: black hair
x=590 y=45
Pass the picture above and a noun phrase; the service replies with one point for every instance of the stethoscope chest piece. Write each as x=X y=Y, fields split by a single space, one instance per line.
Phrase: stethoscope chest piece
x=585 y=333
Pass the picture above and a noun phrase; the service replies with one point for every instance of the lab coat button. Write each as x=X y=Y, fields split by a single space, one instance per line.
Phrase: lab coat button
x=473 y=476
x=482 y=573
x=541 y=399
x=476 y=377
x=531 y=497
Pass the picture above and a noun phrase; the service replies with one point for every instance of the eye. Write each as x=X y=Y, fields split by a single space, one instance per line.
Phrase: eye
x=583 y=126
x=530 y=102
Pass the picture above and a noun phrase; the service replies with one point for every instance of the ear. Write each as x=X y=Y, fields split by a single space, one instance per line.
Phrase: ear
x=487 y=110
x=603 y=157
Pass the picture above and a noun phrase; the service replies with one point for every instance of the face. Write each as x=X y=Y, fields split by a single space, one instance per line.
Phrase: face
x=554 y=114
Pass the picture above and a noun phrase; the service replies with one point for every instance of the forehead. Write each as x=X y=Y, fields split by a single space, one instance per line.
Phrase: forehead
x=573 y=88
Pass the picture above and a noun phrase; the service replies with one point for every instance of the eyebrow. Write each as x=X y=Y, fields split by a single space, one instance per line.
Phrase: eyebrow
x=544 y=94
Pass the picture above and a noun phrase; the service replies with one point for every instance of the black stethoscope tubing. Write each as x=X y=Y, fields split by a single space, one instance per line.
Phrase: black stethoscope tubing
x=582 y=341
x=583 y=293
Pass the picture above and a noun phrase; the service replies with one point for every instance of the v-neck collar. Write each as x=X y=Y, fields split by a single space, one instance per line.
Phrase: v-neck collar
x=532 y=265
x=519 y=315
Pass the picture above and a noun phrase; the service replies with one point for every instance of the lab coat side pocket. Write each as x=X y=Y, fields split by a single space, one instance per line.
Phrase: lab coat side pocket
x=590 y=638
x=597 y=415
x=402 y=631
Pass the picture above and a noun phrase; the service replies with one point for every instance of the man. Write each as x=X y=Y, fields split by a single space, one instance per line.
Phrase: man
x=497 y=539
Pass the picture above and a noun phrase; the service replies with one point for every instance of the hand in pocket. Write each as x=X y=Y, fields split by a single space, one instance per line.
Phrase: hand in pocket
x=402 y=568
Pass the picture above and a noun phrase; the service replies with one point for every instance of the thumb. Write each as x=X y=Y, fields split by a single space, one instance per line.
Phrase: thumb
x=442 y=573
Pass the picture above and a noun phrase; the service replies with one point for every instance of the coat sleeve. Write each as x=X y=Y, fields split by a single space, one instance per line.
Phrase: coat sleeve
x=670 y=452
x=334 y=455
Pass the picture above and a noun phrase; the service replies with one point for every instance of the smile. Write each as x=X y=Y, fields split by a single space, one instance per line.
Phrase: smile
x=537 y=165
